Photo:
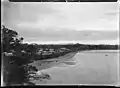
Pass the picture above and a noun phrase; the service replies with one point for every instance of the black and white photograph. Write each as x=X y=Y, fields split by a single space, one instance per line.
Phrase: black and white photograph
x=59 y=43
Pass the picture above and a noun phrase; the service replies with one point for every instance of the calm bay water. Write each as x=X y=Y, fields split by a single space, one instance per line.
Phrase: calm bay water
x=88 y=67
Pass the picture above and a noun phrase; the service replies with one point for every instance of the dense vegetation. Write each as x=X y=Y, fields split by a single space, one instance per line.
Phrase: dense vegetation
x=17 y=55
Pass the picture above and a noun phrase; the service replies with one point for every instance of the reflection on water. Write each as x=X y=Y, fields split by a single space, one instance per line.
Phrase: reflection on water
x=83 y=68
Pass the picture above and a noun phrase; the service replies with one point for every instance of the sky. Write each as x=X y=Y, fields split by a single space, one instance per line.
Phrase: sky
x=95 y=23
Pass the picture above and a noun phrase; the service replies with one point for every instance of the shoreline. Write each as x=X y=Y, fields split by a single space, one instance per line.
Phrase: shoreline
x=69 y=55
x=44 y=64
x=49 y=63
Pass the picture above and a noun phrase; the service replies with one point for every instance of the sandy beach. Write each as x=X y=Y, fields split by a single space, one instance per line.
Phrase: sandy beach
x=90 y=68
x=44 y=64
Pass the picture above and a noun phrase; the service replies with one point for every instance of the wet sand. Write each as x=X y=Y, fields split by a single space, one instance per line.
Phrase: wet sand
x=49 y=63
x=44 y=64
x=91 y=67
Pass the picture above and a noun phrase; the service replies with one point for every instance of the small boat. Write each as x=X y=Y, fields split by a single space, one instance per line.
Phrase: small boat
x=106 y=55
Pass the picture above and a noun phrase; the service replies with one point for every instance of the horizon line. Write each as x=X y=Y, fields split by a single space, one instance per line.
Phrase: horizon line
x=97 y=42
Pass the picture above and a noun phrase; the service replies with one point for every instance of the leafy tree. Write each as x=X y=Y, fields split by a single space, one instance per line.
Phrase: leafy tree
x=10 y=40
x=14 y=66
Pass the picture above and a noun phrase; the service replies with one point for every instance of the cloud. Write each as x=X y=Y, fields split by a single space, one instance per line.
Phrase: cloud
x=64 y=22
x=73 y=16
x=17 y=13
x=69 y=35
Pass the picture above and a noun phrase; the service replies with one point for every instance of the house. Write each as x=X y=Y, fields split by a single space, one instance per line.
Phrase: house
x=8 y=54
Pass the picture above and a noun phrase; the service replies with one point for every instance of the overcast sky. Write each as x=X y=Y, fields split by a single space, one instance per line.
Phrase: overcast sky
x=53 y=22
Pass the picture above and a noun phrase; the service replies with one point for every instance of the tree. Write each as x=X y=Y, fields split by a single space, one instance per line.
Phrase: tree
x=10 y=39
x=14 y=66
